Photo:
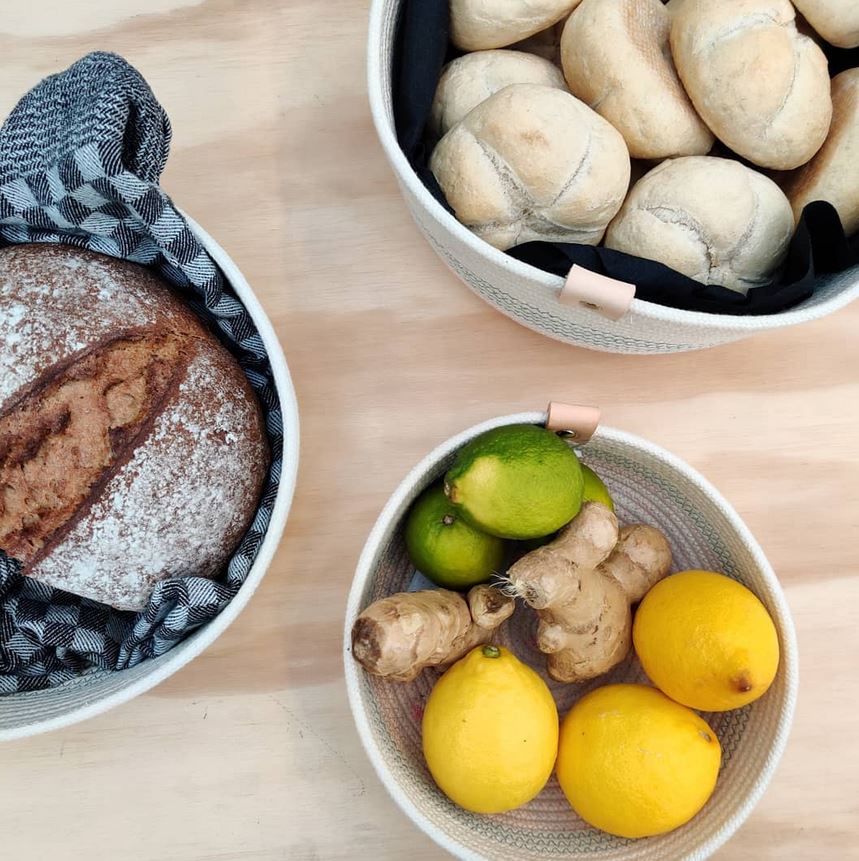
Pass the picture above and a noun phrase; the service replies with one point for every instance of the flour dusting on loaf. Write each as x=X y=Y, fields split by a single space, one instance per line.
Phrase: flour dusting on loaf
x=178 y=507
x=47 y=294
x=132 y=447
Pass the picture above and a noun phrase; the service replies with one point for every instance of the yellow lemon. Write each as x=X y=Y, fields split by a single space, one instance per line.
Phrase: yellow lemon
x=635 y=763
x=490 y=732
x=706 y=641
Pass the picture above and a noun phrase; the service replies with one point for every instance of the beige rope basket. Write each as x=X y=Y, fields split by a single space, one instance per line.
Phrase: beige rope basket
x=537 y=299
x=648 y=485
x=25 y=714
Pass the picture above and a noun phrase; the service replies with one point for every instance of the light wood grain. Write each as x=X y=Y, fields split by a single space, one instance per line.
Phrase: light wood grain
x=250 y=752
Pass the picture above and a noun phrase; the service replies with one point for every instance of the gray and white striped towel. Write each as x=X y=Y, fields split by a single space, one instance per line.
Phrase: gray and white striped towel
x=80 y=160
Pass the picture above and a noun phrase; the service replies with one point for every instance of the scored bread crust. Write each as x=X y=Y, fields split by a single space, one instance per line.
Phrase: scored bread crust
x=760 y=85
x=473 y=78
x=712 y=219
x=832 y=175
x=170 y=439
x=533 y=163
x=477 y=25
x=616 y=59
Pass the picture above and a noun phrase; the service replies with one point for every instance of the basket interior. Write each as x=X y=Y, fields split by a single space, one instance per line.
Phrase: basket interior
x=646 y=488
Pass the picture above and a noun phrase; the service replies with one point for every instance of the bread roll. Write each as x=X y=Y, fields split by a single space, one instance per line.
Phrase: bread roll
x=837 y=21
x=712 y=219
x=131 y=446
x=473 y=78
x=616 y=59
x=476 y=25
x=533 y=163
x=761 y=86
x=833 y=174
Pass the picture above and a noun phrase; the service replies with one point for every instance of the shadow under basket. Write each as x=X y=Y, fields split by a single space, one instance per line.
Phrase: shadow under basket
x=533 y=297
x=25 y=714
x=648 y=485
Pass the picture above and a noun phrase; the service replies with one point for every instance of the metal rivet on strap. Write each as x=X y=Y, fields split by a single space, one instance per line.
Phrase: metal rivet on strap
x=573 y=421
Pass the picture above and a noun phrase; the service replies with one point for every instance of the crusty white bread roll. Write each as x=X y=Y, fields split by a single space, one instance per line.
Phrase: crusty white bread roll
x=837 y=21
x=473 y=78
x=533 y=163
x=476 y=25
x=616 y=59
x=712 y=219
x=761 y=86
x=833 y=174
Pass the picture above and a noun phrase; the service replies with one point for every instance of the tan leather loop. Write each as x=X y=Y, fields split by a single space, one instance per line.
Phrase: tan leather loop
x=576 y=421
x=607 y=296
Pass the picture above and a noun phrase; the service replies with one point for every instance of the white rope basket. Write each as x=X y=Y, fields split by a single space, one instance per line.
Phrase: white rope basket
x=648 y=485
x=95 y=692
x=531 y=296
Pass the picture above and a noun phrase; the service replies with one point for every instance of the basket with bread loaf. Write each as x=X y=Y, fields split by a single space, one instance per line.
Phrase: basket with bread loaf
x=630 y=175
x=147 y=423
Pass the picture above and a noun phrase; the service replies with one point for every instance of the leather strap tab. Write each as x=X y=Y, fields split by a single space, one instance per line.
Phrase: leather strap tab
x=576 y=421
x=608 y=296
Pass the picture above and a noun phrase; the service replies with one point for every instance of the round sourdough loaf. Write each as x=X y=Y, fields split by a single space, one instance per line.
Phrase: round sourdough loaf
x=132 y=448
x=476 y=25
x=760 y=85
x=473 y=78
x=616 y=59
x=712 y=219
x=833 y=175
x=533 y=163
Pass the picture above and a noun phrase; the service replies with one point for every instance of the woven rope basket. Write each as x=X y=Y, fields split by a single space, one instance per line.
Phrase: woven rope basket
x=91 y=694
x=648 y=485
x=529 y=295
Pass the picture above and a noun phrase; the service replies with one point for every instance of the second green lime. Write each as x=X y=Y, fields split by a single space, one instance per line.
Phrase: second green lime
x=595 y=489
x=517 y=481
x=445 y=548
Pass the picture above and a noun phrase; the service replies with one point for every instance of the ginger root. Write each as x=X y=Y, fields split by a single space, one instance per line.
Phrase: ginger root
x=583 y=586
x=398 y=636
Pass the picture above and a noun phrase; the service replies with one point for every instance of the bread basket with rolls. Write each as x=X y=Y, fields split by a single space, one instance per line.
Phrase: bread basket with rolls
x=648 y=486
x=148 y=424
x=631 y=176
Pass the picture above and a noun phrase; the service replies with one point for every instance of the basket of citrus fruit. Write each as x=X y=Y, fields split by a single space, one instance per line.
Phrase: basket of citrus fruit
x=563 y=643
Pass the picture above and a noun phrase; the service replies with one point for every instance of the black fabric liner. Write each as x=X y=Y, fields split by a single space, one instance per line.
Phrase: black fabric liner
x=819 y=245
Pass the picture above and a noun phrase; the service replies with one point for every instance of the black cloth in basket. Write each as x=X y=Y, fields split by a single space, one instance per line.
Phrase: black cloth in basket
x=80 y=160
x=819 y=246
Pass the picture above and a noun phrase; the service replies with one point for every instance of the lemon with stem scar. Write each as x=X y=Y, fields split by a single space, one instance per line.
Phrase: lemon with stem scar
x=490 y=732
x=706 y=640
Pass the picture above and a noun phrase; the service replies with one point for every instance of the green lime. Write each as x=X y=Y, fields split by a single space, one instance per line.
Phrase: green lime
x=517 y=481
x=595 y=490
x=445 y=548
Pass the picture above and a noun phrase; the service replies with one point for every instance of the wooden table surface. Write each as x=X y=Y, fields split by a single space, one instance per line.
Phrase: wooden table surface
x=250 y=752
